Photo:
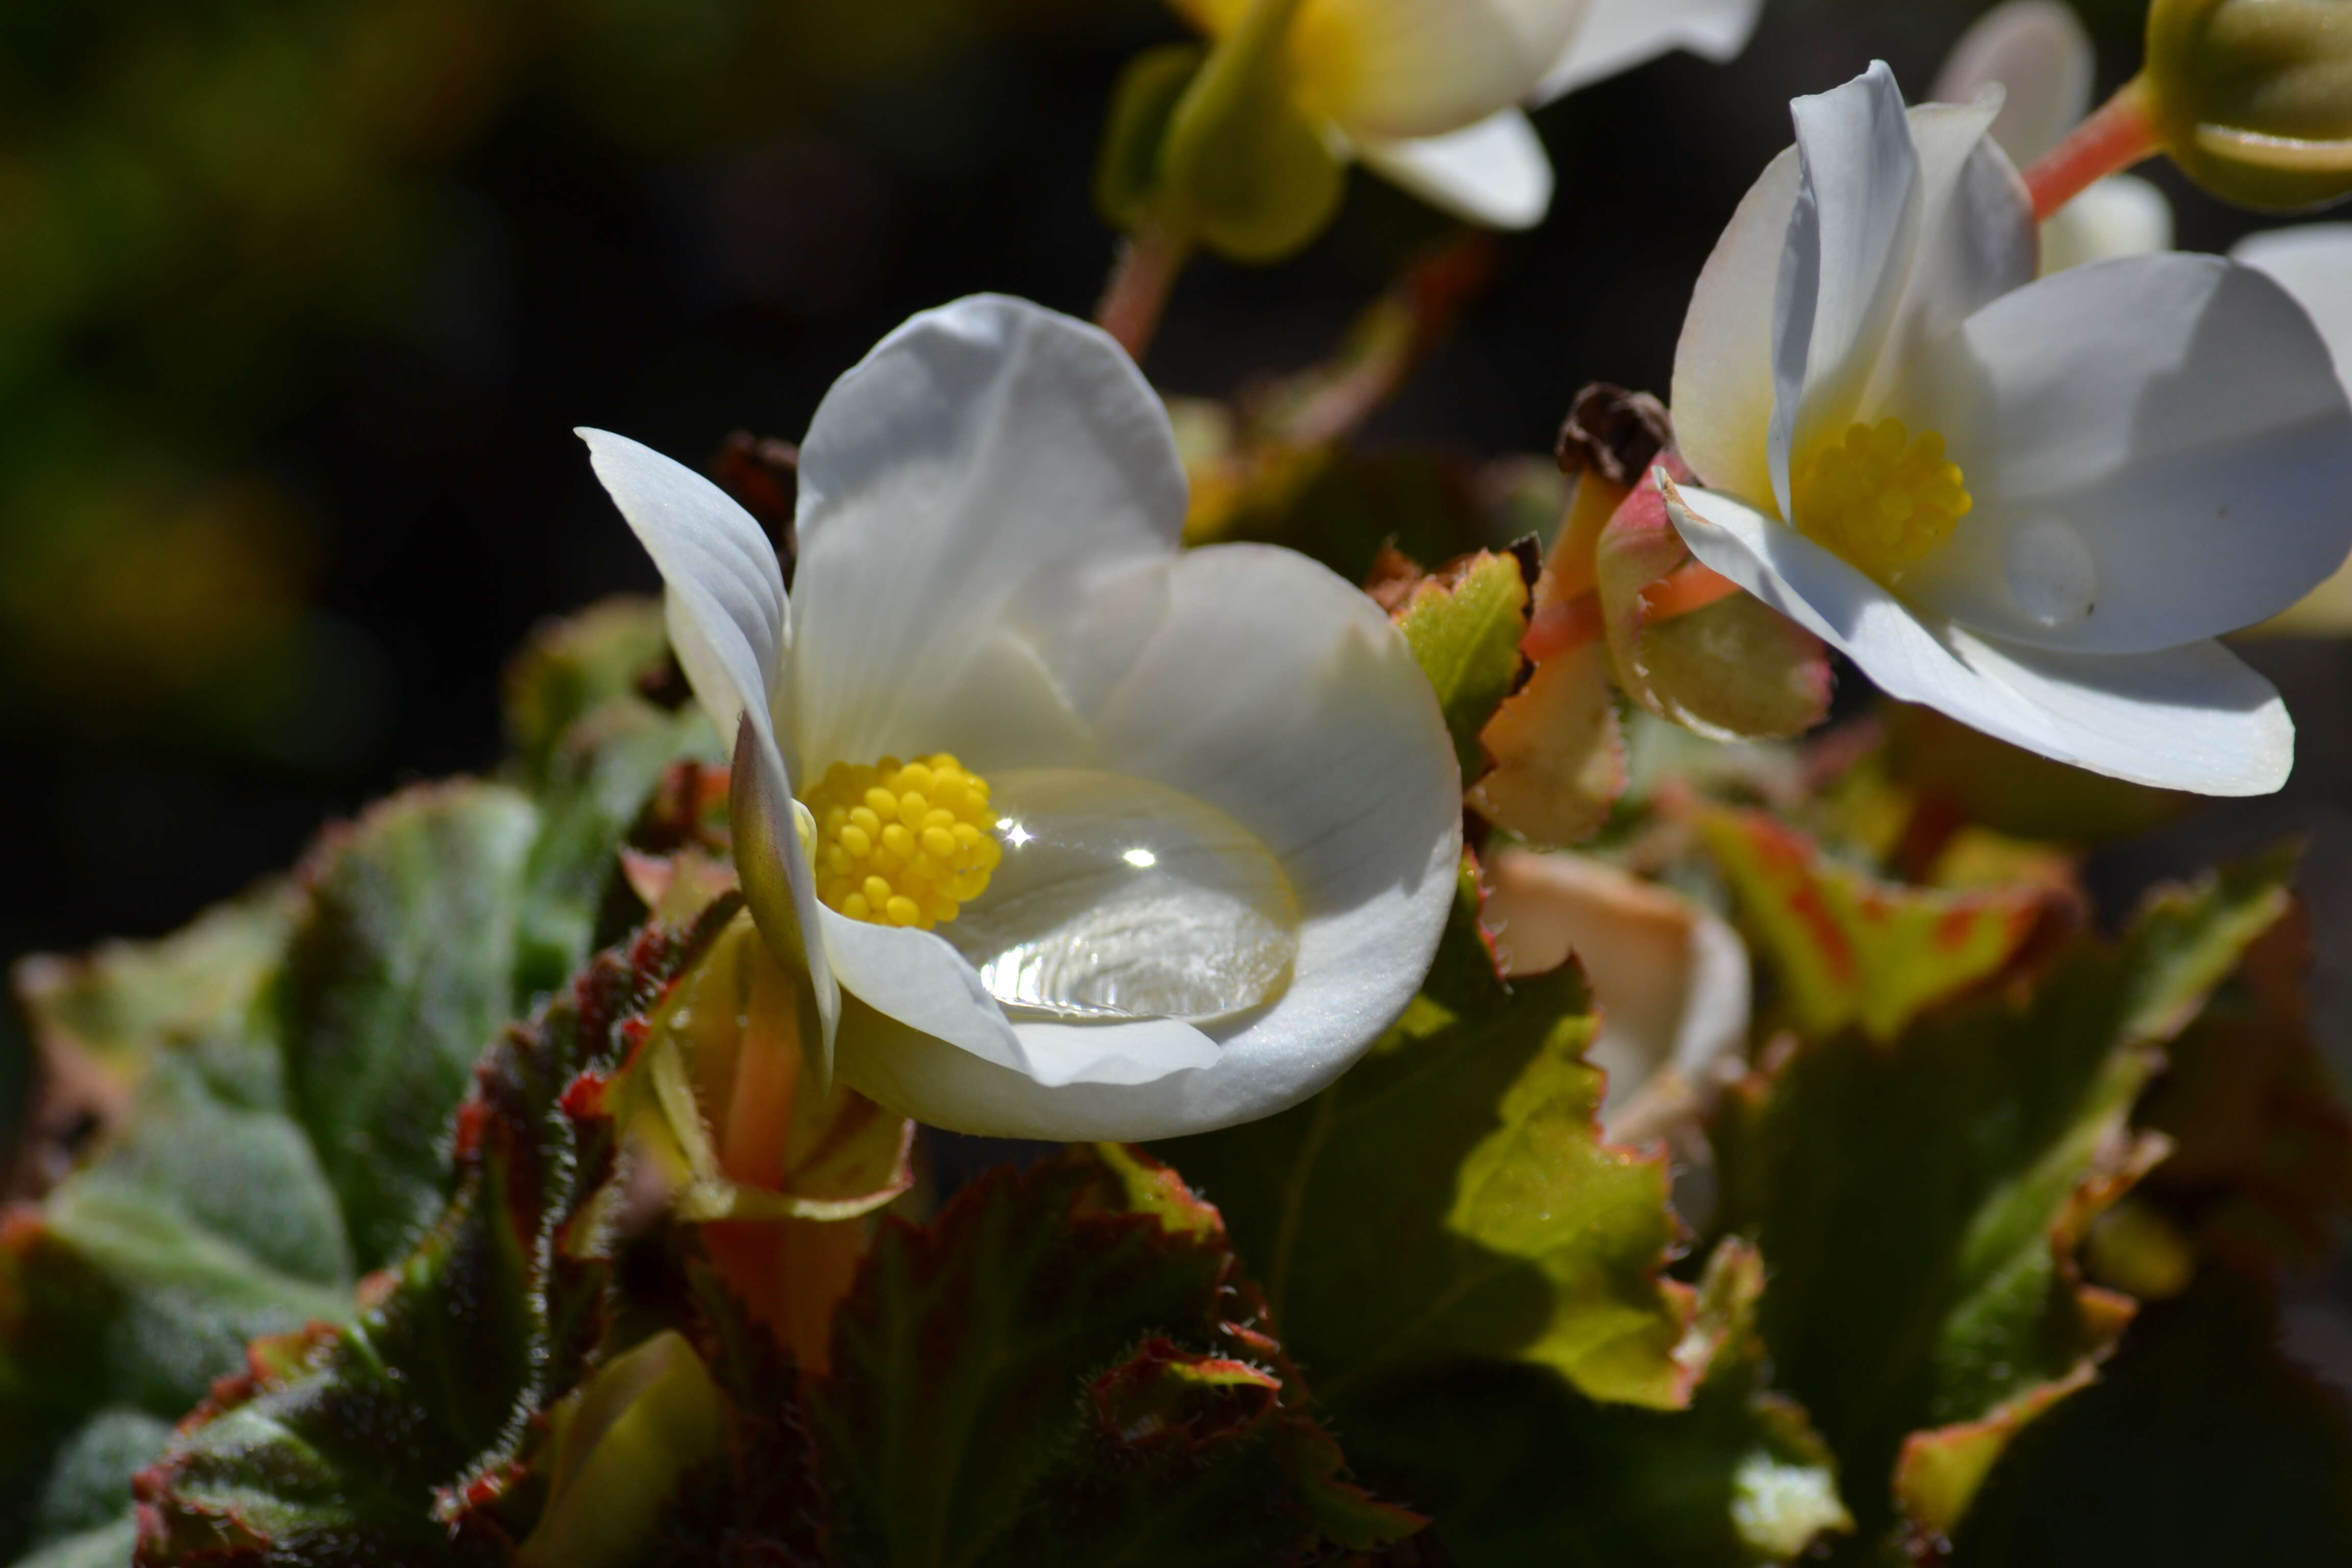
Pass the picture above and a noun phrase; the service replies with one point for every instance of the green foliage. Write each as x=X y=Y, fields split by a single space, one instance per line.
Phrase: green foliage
x=2200 y=1445
x=1451 y=1197
x=1069 y=1366
x=1242 y=166
x=1463 y=624
x=1971 y=1150
x=1127 y=170
x=1849 y=951
x=461 y=1350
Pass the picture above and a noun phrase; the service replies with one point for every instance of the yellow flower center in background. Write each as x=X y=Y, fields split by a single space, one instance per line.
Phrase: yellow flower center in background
x=1880 y=499
x=902 y=844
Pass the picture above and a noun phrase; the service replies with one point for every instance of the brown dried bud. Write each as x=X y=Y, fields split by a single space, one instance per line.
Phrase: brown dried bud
x=763 y=476
x=1615 y=433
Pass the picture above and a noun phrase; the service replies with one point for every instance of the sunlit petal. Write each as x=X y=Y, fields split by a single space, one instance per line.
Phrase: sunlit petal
x=1494 y=172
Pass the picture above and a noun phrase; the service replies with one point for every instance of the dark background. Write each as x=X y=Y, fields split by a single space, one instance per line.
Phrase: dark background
x=299 y=301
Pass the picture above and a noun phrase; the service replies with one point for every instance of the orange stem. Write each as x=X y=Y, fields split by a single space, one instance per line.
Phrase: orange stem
x=2119 y=134
x=1694 y=585
x=1561 y=628
x=1139 y=283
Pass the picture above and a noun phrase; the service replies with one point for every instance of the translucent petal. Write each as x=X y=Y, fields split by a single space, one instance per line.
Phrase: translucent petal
x=1120 y=898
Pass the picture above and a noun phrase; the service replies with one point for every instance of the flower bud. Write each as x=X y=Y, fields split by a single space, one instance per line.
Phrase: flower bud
x=2254 y=97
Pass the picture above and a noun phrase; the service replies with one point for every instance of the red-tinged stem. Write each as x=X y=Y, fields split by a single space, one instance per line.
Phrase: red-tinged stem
x=2118 y=135
x=1139 y=283
x=1556 y=629
x=758 y=1118
x=1694 y=585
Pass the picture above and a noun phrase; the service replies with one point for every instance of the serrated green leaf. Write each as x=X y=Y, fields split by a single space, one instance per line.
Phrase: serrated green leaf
x=1451 y=1197
x=402 y=964
x=1067 y=1366
x=1850 y=950
x=1920 y=1199
x=2200 y=1445
x=1463 y=624
x=1515 y=1467
x=401 y=1437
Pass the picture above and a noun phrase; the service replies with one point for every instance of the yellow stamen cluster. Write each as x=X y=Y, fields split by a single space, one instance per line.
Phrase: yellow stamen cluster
x=1880 y=499
x=902 y=844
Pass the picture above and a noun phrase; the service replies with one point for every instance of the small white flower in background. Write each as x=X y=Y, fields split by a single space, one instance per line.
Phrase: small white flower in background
x=1427 y=91
x=1099 y=840
x=2037 y=53
x=2031 y=504
x=1670 y=979
x=2313 y=262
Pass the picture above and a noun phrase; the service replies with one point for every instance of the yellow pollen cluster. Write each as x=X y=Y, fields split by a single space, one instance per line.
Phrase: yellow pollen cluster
x=1880 y=499
x=902 y=844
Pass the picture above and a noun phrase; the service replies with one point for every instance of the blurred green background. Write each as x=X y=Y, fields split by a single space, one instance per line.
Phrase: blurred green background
x=299 y=299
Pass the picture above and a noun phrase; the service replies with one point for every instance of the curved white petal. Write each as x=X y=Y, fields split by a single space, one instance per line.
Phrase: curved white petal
x=724 y=590
x=1722 y=389
x=914 y=977
x=2162 y=436
x=1494 y=172
x=1279 y=694
x=1114 y=1090
x=1391 y=68
x=725 y=604
x=2312 y=261
x=1618 y=35
x=1852 y=232
x=975 y=473
x=1977 y=236
x=2038 y=53
x=2122 y=215
x=2191 y=717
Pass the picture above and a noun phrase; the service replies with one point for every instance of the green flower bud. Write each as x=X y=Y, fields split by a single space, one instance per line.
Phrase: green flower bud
x=2254 y=97
x=1217 y=148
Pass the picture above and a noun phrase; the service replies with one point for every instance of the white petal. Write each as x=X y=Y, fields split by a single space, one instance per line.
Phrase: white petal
x=2122 y=215
x=2312 y=261
x=1109 y=1077
x=1494 y=172
x=2173 y=422
x=1851 y=233
x=2191 y=717
x=914 y=977
x=1390 y=69
x=725 y=604
x=1722 y=390
x=1281 y=695
x=724 y=591
x=1977 y=236
x=980 y=469
x=1618 y=35
x=2038 y=53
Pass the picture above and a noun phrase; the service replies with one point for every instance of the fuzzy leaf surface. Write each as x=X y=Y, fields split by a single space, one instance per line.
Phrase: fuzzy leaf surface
x=1069 y=1366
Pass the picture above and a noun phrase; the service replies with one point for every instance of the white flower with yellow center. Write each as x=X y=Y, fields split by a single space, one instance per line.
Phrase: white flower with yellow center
x=2313 y=262
x=1099 y=839
x=2037 y=53
x=1427 y=91
x=2031 y=504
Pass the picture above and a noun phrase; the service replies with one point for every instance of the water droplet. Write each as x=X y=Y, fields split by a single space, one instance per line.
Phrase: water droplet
x=2051 y=577
x=1118 y=898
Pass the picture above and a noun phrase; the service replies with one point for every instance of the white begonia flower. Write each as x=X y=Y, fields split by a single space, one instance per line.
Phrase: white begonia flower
x=1428 y=92
x=1102 y=840
x=2031 y=504
x=2313 y=262
x=2037 y=53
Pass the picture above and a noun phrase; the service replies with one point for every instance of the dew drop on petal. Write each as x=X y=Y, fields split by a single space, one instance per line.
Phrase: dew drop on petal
x=2051 y=578
x=1119 y=898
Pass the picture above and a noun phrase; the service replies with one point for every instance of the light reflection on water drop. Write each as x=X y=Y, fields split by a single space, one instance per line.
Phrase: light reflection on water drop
x=1118 y=898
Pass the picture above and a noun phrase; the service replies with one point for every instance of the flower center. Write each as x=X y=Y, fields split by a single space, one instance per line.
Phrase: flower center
x=902 y=844
x=1880 y=499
